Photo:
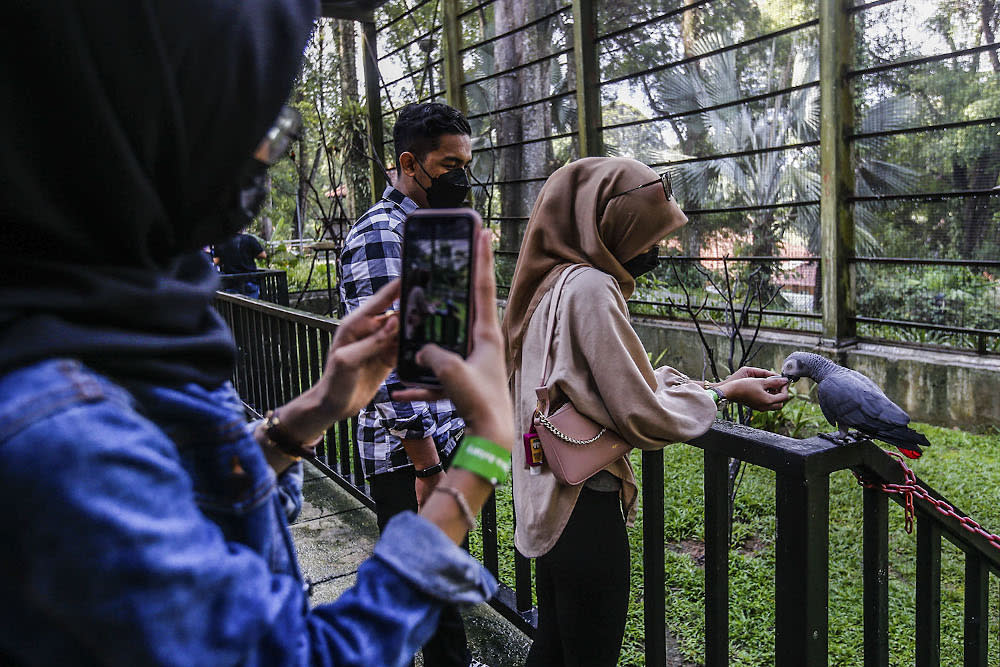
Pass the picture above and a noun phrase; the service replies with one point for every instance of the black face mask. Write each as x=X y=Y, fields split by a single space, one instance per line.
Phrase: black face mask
x=448 y=190
x=245 y=203
x=643 y=262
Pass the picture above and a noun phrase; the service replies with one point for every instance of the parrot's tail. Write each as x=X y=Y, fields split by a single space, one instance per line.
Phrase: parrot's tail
x=907 y=440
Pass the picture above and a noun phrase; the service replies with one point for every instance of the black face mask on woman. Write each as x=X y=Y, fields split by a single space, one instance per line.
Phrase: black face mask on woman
x=448 y=190
x=243 y=205
x=240 y=206
x=643 y=262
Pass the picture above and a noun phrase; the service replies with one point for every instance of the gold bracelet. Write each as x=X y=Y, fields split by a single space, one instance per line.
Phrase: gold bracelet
x=275 y=436
x=463 y=504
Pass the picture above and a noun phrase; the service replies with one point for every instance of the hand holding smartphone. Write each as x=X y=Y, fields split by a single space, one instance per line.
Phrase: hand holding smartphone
x=435 y=304
x=478 y=387
x=478 y=384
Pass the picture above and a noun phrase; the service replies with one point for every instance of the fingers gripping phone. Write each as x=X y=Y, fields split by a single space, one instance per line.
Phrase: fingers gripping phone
x=435 y=305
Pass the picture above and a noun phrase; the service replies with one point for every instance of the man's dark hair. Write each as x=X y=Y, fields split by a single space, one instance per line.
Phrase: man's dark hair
x=419 y=128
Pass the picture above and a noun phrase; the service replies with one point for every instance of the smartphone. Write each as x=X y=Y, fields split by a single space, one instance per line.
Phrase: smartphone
x=435 y=304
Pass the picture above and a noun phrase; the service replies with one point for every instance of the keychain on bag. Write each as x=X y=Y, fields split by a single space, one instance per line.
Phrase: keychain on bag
x=533 y=457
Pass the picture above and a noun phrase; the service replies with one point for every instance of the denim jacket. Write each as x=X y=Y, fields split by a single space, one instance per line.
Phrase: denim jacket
x=144 y=527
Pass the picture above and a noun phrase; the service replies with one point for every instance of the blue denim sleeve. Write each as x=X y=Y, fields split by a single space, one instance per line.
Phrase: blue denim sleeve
x=416 y=550
x=109 y=542
x=401 y=589
x=289 y=482
x=290 y=490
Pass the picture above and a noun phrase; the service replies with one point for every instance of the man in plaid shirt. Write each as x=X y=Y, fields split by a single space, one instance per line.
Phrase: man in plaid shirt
x=405 y=444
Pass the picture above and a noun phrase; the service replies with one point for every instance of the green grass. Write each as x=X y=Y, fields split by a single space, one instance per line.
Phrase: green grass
x=964 y=467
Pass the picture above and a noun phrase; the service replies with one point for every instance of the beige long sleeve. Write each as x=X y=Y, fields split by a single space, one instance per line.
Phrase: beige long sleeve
x=648 y=408
x=598 y=363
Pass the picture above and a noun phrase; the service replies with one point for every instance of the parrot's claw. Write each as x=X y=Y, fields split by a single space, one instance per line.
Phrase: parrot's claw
x=841 y=438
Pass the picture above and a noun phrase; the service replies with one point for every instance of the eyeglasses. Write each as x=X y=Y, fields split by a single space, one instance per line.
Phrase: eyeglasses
x=279 y=138
x=664 y=180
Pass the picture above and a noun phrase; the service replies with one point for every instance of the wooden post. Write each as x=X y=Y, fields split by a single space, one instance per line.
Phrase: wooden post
x=716 y=560
x=801 y=571
x=654 y=605
x=374 y=103
x=588 y=90
x=454 y=74
x=836 y=39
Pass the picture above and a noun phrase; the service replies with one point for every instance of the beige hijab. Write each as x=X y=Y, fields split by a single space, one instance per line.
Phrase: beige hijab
x=573 y=222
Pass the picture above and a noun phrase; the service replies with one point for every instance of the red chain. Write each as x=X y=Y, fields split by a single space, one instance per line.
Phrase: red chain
x=910 y=488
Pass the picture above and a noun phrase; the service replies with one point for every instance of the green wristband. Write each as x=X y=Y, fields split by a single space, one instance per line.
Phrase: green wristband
x=484 y=458
x=714 y=394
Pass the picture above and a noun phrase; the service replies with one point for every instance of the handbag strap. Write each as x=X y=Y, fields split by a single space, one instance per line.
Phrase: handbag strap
x=550 y=326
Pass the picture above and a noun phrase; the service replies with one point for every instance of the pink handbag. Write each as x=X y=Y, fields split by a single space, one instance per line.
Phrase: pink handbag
x=575 y=446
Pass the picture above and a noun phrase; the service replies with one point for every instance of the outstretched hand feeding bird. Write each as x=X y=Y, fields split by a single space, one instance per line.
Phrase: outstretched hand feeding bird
x=849 y=399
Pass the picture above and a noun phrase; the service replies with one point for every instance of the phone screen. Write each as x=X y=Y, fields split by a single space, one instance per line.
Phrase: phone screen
x=437 y=275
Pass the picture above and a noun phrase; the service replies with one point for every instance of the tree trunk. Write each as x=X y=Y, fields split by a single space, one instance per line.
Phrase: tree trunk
x=987 y=8
x=355 y=164
x=507 y=54
x=302 y=192
x=692 y=141
x=537 y=156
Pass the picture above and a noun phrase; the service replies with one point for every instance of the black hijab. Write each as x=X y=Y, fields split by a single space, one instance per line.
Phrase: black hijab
x=123 y=126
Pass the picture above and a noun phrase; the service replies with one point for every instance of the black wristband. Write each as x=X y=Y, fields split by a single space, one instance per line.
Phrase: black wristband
x=429 y=471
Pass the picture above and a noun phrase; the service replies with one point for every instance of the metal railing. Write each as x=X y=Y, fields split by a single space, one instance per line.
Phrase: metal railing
x=271 y=284
x=282 y=352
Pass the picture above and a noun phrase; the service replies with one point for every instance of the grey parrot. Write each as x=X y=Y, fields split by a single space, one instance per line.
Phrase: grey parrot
x=850 y=399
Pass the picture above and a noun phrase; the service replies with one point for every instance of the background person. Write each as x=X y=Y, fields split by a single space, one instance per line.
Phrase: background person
x=239 y=255
x=147 y=529
x=608 y=214
x=405 y=445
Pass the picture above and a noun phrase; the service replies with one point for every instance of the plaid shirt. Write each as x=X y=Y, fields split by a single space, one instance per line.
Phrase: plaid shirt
x=372 y=258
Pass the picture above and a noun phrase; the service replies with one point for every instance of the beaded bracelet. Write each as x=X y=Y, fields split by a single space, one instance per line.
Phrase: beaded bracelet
x=484 y=458
x=463 y=504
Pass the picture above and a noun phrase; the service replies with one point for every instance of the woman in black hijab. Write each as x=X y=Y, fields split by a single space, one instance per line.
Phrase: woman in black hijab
x=143 y=523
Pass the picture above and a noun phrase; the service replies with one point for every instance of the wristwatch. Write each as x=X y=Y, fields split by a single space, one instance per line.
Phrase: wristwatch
x=429 y=471
x=723 y=401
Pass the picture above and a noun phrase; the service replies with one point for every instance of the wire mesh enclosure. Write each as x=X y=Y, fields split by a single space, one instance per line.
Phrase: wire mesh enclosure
x=926 y=151
x=729 y=99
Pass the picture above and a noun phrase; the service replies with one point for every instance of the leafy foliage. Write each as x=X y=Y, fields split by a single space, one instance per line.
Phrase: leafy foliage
x=945 y=295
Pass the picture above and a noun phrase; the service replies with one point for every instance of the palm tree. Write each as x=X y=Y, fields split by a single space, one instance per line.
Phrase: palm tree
x=744 y=177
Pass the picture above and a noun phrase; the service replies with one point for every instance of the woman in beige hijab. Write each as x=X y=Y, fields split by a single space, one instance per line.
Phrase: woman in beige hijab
x=609 y=215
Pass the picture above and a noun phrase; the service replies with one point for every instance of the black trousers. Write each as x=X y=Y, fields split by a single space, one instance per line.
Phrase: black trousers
x=393 y=493
x=583 y=586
